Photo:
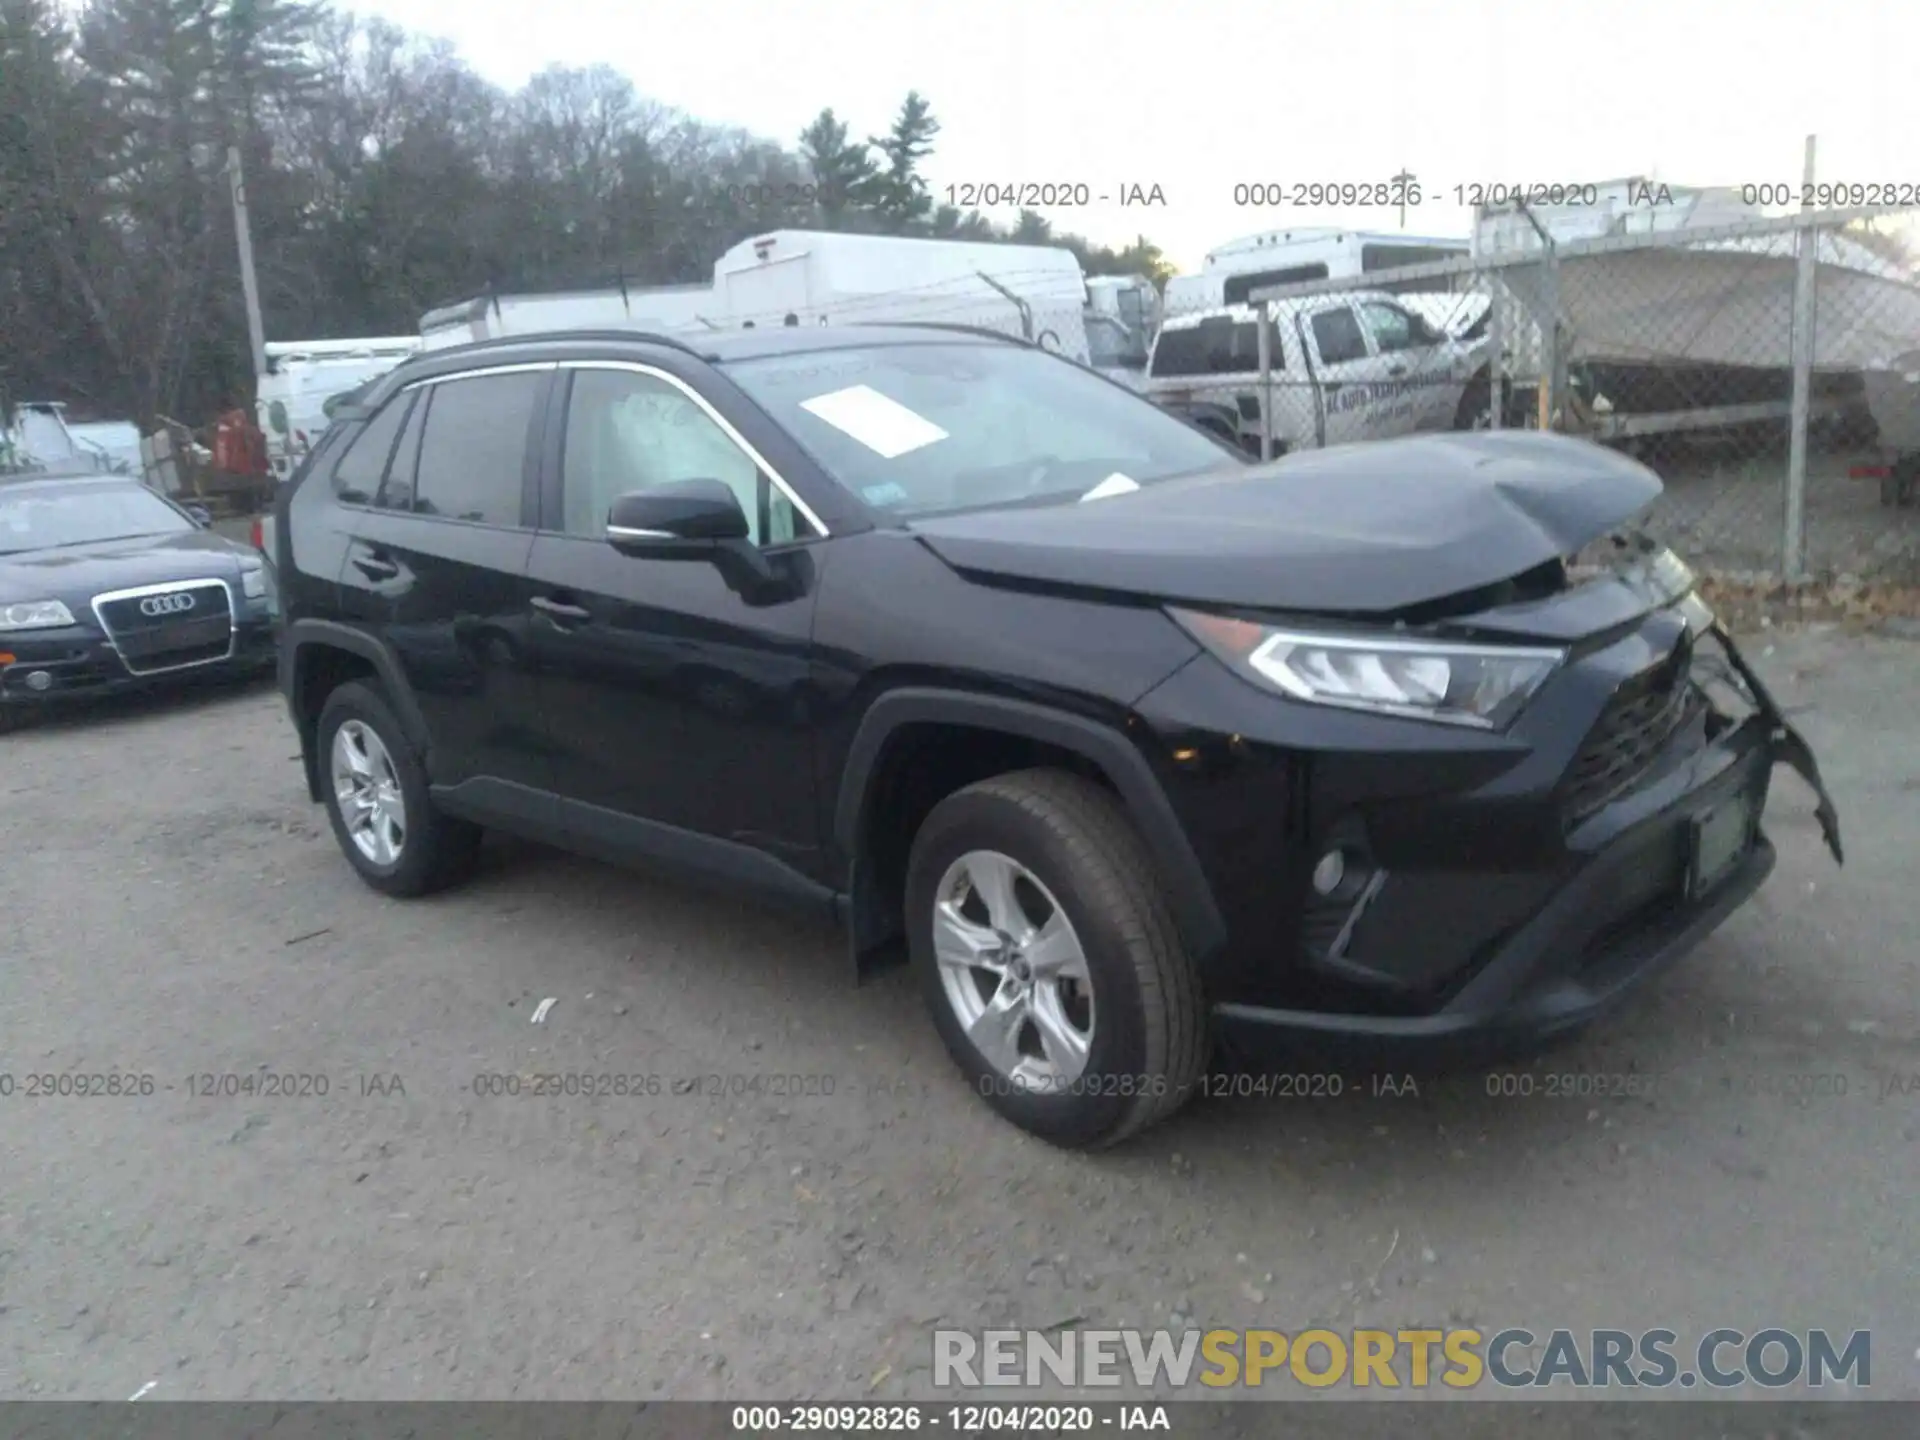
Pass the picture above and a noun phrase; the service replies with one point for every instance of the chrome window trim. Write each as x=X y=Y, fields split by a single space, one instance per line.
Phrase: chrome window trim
x=522 y=368
x=726 y=428
x=167 y=588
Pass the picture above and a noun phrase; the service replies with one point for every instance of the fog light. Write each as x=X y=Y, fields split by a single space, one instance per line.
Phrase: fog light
x=39 y=680
x=1329 y=871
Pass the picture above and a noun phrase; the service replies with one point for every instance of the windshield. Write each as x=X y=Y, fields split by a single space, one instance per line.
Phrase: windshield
x=919 y=429
x=44 y=519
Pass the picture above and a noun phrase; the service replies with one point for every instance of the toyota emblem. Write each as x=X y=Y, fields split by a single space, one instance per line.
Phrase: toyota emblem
x=176 y=604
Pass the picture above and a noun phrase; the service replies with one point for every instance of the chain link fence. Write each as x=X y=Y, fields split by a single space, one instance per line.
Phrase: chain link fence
x=1768 y=370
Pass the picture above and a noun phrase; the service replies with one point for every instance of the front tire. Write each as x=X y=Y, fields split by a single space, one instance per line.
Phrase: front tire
x=1050 y=961
x=376 y=796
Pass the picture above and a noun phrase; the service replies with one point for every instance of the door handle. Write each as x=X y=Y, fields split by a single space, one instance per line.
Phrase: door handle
x=375 y=569
x=560 y=611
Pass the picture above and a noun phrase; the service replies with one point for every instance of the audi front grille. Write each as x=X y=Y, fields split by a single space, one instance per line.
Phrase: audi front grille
x=171 y=626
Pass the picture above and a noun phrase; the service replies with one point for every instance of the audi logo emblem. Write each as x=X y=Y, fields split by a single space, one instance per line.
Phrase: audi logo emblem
x=175 y=604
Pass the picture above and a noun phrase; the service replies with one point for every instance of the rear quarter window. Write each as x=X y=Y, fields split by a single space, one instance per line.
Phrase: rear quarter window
x=356 y=479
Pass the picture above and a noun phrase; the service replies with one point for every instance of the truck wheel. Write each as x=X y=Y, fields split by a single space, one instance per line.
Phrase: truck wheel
x=1475 y=410
x=376 y=797
x=1049 y=960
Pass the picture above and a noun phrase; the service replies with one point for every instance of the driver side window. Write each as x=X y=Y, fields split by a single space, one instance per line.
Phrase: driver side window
x=628 y=431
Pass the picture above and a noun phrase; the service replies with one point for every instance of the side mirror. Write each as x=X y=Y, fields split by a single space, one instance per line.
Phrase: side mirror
x=200 y=515
x=688 y=519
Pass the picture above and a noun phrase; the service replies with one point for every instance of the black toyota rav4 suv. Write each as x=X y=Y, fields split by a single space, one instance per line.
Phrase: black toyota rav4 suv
x=1139 y=752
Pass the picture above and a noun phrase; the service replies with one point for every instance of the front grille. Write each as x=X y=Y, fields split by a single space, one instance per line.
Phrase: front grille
x=179 y=636
x=1645 y=713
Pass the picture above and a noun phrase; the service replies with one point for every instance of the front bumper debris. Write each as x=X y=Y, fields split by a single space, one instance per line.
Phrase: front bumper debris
x=1788 y=745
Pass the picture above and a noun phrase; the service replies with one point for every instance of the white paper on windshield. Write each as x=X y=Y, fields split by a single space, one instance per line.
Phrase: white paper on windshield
x=1114 y=484
x=884 y=426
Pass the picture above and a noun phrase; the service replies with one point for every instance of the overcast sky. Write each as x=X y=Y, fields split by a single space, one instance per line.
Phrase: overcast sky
x=1195 y=96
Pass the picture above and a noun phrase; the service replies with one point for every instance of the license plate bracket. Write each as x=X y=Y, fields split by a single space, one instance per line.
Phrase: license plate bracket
x=1718 y=839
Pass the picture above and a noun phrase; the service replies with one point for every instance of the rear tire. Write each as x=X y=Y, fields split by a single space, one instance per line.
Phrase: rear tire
x=1146 y=1039
x=404 y=849
x=1475 y=410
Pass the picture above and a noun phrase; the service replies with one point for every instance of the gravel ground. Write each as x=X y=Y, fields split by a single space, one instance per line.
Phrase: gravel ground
x=175 y=908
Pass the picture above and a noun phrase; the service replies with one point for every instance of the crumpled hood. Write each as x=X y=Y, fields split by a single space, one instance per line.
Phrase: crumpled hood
x=1357 y=529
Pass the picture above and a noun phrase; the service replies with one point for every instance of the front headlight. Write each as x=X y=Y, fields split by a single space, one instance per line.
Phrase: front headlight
x=35 y=615
x=1461 y=684
x=253 y=581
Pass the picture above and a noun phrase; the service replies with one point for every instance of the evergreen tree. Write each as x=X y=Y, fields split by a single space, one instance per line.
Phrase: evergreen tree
x=901 y=198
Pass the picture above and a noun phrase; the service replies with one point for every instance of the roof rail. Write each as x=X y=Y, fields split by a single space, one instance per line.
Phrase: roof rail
x=499 y=342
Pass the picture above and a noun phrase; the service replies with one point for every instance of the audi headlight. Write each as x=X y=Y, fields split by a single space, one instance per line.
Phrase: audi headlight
x=1460 y=684
x=253 y=581
x=35 y=615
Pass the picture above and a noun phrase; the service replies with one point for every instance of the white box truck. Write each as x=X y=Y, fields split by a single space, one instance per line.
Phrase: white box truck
x=303 y=375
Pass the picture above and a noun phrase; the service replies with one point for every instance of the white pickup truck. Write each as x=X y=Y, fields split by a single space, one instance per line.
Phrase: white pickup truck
x=1353 y=365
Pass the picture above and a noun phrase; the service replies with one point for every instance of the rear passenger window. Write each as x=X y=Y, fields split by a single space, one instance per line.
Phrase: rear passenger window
x=473 y=448
x=356 y=479
x=1337 y=334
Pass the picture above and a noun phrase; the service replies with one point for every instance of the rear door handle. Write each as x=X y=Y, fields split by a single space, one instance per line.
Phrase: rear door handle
x=559 y=611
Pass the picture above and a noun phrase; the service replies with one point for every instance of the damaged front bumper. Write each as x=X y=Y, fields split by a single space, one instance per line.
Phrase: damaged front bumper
x=1787 y=744
x=1663 y=867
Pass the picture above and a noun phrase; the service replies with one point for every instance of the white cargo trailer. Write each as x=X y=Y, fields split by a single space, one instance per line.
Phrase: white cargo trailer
x=661 y=307
x=1233 y=271
x=814 y=277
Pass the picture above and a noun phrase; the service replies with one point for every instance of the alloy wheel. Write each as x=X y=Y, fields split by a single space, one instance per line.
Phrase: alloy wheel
x=1014 y=971
x=367 y=789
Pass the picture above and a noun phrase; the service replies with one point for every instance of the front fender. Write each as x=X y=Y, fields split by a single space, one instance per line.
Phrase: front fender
x=1188 y=892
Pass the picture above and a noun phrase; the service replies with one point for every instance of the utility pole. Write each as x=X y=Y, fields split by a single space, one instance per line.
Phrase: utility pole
x=249 y=287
